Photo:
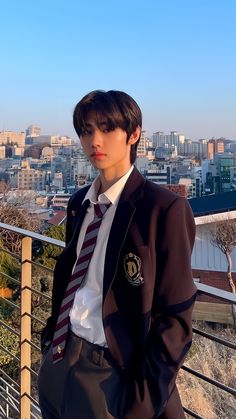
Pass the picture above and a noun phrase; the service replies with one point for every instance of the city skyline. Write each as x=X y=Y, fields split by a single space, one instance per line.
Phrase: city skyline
x=177 y=59
x=149 y=136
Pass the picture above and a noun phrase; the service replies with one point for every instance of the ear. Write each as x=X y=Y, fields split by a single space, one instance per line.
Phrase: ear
x=135 y=136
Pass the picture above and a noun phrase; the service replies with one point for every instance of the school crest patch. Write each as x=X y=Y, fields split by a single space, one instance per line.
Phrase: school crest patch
x=132 y=267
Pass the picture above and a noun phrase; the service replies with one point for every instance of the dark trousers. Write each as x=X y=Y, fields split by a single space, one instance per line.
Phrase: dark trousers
x=84 y=385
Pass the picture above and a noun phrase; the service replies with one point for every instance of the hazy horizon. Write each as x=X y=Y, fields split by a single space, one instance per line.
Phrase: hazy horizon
x=176 y=58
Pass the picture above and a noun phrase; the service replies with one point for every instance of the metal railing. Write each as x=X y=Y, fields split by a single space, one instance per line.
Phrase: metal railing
x=16 y=396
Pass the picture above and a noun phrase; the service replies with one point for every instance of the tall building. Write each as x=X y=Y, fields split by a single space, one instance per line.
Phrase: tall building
x=58 y=180
x=170 y=140
x=193 y=186
x=158 y=172
x=210 y=149
x=215 y=146
x=158 y=139
x=203 y=148
x=2 y=152
x=63 y=164
x=225 y=163
x=173 y=139
x=141 y=150
x=31 y=179
x=52 y=140
x=12 y=137
x=33 y=131
x=220 y=146
x=191 y=148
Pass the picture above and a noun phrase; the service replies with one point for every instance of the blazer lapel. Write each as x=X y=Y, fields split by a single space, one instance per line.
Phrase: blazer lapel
x=124 y=214
x=79 y=217
x=121 y=222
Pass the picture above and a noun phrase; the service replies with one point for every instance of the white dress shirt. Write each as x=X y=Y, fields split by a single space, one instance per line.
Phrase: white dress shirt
x=86 y=312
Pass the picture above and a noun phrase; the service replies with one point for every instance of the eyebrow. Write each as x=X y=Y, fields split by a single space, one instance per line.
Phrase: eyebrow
x=88 y=124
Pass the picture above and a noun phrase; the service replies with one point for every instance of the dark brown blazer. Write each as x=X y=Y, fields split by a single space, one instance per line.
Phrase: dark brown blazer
x=148 y=291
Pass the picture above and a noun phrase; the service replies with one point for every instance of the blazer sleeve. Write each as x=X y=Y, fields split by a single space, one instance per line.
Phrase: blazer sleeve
x=170 y=332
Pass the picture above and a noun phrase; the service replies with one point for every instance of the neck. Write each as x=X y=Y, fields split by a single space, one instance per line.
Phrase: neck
x=108 y=179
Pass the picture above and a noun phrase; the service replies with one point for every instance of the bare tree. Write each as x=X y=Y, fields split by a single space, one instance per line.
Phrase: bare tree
x=18 y=217
x=4 y=187
x=21 y=199
x=224 y=238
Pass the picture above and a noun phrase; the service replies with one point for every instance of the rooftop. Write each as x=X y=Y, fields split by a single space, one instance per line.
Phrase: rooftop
x=212 y=204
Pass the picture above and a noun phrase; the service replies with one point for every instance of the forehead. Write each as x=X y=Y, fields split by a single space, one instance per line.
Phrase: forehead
x=97 y=119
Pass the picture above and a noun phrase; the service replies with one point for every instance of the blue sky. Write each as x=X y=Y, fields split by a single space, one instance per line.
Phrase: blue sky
x=177 y=58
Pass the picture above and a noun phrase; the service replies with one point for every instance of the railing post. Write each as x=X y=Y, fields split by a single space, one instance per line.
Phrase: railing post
x=25 y=327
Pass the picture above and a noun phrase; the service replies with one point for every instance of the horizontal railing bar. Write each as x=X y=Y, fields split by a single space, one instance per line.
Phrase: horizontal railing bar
x=39 y=265
x=43 y=323
x=32 y=400
x=11 y=380
x=9 y=404
x=34 y=415
x=17 y=281
x=9 y=328
x=33 y=235
x=210 y=380
x=214 y=338
x=30 y=370
x=32 y=344
x=9 y=394
x=15 y=255
x=10 y=386
x=9 y=353
x=216 y=292
x=191 y=413
x=10 y=303
x=38 y=292
x=35 y=405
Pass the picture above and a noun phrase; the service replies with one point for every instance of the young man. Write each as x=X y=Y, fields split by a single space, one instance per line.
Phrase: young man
x=123 y=292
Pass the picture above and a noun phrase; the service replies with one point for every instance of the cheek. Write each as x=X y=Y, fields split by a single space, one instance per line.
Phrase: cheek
x=84 y=145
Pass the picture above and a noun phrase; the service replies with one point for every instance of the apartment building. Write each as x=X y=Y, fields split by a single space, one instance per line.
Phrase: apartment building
x=31 y=179
x=12 y=137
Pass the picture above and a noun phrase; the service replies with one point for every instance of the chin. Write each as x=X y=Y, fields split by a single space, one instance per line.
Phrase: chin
x=98 y=165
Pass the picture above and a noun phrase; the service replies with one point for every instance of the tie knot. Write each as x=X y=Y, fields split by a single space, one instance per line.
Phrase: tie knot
x=100 y=209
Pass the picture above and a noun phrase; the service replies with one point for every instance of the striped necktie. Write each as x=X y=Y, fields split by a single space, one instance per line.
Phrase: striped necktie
x=76 y=280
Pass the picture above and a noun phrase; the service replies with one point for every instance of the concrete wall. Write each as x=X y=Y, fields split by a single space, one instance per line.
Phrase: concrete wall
x=207 y=257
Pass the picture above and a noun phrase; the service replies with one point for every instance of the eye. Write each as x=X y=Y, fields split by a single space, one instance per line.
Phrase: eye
x=84 y=132
x=106 y=129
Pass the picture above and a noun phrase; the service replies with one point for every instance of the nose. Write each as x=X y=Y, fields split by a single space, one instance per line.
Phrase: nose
x=96 y=140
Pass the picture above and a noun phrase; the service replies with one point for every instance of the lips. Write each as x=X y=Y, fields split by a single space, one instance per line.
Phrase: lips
x=98 y=154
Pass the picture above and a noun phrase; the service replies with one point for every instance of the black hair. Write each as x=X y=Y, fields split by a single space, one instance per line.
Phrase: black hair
x=118 y=109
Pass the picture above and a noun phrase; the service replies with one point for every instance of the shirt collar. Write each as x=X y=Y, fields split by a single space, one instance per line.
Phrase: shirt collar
x=111 y=195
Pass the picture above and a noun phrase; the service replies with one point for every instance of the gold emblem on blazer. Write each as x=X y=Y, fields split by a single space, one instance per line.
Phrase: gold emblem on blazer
x=132 y=267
